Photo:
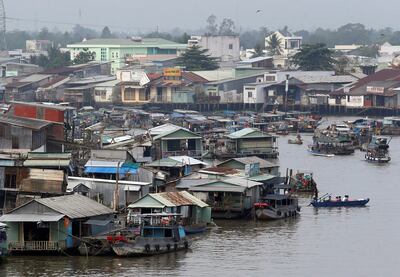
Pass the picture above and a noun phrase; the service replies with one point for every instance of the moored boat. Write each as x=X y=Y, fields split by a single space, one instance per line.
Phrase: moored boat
x=159 y=234
x=277 y=205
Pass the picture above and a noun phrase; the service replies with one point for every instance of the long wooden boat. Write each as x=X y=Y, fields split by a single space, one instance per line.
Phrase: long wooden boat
x=325 y=203
x=315 y=153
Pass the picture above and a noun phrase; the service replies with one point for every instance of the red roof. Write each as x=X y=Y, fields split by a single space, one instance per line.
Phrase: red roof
x=153 y=76
x=193 y=77
x=382 y=75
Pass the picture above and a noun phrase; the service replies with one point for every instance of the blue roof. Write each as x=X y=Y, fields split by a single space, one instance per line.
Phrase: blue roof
x=126 y=168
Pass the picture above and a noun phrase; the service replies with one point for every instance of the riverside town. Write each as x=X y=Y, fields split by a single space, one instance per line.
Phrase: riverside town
x=204 y=147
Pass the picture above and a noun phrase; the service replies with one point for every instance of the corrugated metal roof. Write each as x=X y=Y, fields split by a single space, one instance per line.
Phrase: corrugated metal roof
x=30 y=217
x=29 y=123
x=251 y=160
x=187 y=160
x=75 y=206
x=190 y=134
x=245 y=132
x=47 y=163
x=163 y=129
x=169 y=199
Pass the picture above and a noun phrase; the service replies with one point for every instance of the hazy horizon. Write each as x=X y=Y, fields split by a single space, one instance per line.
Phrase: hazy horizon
x=147 y=16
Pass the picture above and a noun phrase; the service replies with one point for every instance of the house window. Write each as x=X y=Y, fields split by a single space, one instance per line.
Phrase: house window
x=230 y=46
x=10 y=181
x=103 y=95
x=116 y=54
x=129 y=94
x=112 y=55
x=250 y=94
x=294 y=44
x=14 y=142
x=103 y=54
x=142 y=95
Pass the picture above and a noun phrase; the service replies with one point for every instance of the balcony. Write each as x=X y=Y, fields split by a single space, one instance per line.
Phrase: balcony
x=190 y=153
x=36 y=246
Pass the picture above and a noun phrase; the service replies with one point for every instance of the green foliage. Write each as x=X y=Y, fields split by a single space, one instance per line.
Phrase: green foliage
x=342 y=65
x=314 y=57
x=250 y=38
x=274 y=46
x=54 y=59
x=366 y=51
x=196 y=58
x=106 y=33
x=84 y=56
x=258 y=51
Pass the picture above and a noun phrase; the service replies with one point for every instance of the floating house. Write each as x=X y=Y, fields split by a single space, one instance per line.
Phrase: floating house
x=55 y=224
x=193 y=211
x=176 y=143
x=246 y=162
x=228 y=197
x=252 y=142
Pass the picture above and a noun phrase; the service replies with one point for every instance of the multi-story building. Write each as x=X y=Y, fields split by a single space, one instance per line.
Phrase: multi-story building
x=124 y=51
x=225 y=48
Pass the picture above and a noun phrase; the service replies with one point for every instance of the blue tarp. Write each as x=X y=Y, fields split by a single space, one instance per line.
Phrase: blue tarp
x=124 y=169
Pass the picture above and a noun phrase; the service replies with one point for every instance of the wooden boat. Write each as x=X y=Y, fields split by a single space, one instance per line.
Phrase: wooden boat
x=376 y=157
x=298 y=140
x=162 y=235
x=282 y=132
x=377 y=150
x=318 y=153
x=276 y=206
x=327 y=202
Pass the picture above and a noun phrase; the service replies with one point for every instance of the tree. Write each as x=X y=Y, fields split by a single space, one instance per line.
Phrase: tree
x=274 y=45
x=55 y=59
x=258 y=51
x=106 y=33
x=227 y=27
x=212 y=26
x=342 y=65
x=84 y=56
x=196 y=58
x=314 y=57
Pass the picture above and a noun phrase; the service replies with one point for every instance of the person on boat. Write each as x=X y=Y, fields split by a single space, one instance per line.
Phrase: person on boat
x=329 y=198
x=346 y=198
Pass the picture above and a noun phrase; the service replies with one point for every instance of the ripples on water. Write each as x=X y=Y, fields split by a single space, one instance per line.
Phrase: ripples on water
x=324 y=242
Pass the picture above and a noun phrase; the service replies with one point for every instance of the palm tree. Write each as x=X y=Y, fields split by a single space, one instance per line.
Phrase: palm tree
x=274 y=46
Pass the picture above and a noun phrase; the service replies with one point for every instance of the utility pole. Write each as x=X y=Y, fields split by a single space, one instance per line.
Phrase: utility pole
x=286 y=92
x=116 y=191
x=3 y=43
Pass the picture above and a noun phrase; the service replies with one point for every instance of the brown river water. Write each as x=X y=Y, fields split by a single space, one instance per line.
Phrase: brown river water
x=324 y=242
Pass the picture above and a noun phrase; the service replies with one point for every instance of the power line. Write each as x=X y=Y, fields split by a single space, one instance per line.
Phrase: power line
x=74 y=23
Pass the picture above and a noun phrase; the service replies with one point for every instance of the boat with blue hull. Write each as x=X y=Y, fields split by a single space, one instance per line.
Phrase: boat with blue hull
x=327 y=202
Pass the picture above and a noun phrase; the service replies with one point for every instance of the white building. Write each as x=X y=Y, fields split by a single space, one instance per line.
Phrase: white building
x=225 y=48
x=107 y=92
x=290 y=43
x=388 y=52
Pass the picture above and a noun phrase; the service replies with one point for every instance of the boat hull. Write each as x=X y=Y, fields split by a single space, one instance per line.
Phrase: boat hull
x=149 y=248
x=376 y=159
x=268 y=214
x=350 y=203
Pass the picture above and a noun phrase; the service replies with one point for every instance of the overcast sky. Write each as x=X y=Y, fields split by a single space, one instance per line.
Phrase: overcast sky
x=145 y=15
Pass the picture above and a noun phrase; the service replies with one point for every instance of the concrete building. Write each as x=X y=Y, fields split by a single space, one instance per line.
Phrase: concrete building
x=290 y=43
x=123 y=51
x=225 y=48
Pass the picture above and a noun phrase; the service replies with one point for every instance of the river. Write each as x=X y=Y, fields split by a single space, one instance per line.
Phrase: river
x=324 y=242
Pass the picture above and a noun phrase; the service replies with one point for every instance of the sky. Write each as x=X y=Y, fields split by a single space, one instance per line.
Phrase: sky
x=148 y=15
